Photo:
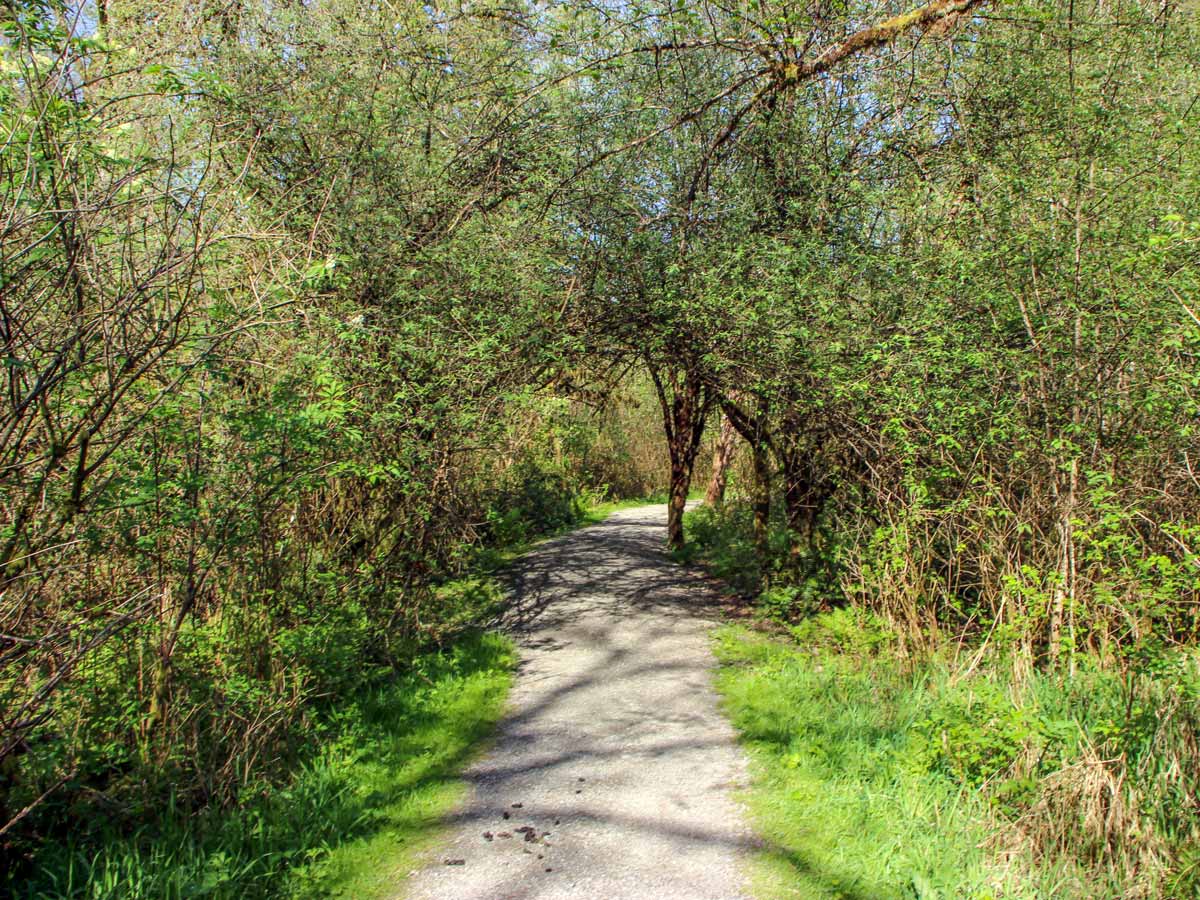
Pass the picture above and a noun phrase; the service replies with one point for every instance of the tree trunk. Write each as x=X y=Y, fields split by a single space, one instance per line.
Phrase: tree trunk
x=798 y=508
x=762 y=503
x=722 y=457
x=805 y=491
x=677 y=501
x=684 y=408
x=753 y=429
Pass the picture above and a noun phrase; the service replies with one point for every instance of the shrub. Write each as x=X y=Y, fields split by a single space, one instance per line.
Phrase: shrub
x=849 y=630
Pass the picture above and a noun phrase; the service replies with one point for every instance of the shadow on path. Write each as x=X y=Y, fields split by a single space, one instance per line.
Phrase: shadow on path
x=614 y=774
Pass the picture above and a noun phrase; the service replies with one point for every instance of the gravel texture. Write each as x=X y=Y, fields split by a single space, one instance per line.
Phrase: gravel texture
x=612 y=776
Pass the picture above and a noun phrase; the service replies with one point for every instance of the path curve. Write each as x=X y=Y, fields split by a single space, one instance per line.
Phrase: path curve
x=614 y=748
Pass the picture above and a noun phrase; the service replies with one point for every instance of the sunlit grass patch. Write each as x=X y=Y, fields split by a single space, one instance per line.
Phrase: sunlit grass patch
x=348 y=824
x=843 y=811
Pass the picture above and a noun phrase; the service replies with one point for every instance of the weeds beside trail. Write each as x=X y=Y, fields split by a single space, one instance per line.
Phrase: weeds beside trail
x=837 y=797
x=353 y=815
x=881 y=778
x=883 y=771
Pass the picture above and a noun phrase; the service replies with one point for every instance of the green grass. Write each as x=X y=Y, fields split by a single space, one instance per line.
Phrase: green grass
x=409 y=781
x=349 y=823
x=844 y=809
x=879 y=776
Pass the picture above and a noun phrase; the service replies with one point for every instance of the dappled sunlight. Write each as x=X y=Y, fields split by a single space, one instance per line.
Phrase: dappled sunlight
x=614 y=752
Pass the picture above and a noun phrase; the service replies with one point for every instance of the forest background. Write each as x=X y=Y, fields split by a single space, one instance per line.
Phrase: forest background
x=309 y=310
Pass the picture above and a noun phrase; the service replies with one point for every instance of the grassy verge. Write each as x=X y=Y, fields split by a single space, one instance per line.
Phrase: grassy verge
x=844 y=810
x=348 y=823
x=406 y=751
x=881 y=777
x=953 y=772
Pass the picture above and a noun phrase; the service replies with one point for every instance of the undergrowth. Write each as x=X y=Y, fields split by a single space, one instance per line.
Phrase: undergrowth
x=883 y=772
x=881 y=779
x=381 y=774
x=843 y=809
x=367 y=782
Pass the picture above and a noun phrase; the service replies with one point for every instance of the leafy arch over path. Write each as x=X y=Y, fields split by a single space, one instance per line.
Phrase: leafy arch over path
x=306 y=305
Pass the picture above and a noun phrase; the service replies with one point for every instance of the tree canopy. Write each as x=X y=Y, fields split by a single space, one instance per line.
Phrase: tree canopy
x=303 y=303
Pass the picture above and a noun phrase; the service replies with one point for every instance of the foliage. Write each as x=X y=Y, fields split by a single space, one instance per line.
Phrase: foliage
x=274 y=372
x=959 y=330
x=886 y=780
x=311 y=309
x=378 y=779
x=723 y=539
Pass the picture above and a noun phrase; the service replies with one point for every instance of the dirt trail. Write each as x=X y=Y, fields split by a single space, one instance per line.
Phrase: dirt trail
x=614 y=749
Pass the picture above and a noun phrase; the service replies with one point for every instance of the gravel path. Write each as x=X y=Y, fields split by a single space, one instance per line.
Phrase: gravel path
x=611 y=778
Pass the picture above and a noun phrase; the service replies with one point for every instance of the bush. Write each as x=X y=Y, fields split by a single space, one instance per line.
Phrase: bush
x=973 y=734
x=722 y=537
x=850 y=630
x=533 y=499
x=790 y=587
